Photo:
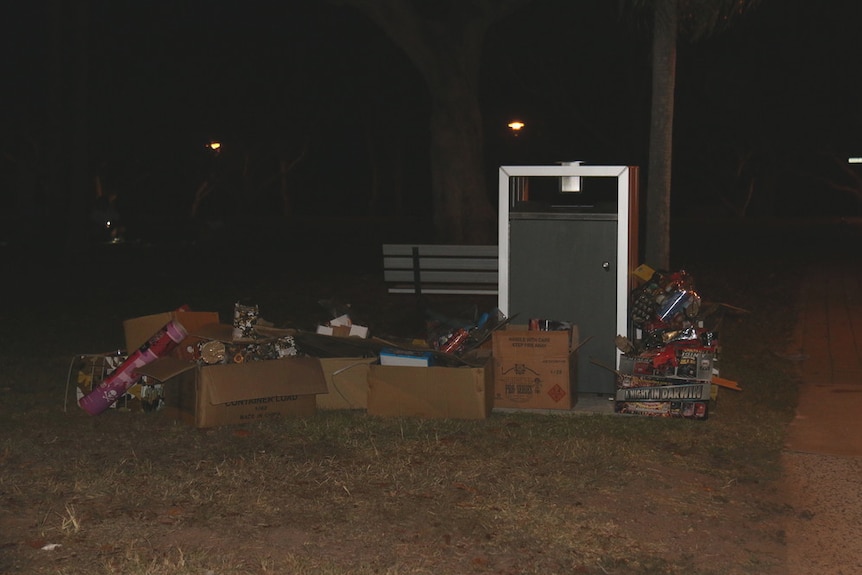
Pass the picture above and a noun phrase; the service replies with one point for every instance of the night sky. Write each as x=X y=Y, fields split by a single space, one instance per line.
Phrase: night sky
x=780 y=90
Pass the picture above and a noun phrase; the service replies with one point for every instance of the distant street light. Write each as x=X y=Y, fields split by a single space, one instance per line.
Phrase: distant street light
x=214 y=146
x=854 y=160
x=516 y=126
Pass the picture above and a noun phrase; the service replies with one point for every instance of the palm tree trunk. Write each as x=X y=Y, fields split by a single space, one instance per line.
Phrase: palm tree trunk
x=661 y=134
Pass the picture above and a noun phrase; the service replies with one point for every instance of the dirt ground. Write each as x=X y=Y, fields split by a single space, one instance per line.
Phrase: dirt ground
x=133 y=493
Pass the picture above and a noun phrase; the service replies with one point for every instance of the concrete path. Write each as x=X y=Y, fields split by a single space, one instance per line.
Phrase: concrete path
x=823 y=456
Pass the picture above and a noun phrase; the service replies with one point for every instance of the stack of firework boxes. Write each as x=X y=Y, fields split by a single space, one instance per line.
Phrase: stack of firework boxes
x=668 y=370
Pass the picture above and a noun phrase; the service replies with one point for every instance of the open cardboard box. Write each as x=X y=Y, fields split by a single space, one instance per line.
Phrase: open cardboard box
x=435 y=392
x=535 y=369
x=346 y=375
x=224 y=394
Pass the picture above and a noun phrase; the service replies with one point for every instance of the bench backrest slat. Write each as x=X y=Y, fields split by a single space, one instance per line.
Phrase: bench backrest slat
x=399 y=263
x=443 y=268
x=445 y=289
x=442 y=276
x=489 y=251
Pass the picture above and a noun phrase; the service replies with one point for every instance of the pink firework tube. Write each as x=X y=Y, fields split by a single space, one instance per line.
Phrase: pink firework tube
x=166 y=339
x=125 y=376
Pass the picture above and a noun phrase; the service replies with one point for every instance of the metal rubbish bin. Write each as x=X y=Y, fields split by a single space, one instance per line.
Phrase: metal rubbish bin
x=567 y=256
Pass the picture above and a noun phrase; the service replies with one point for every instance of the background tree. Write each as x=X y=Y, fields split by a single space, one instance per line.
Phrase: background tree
x=444 y=40
x=659 y=167
x=66 y=189
x=672 y=20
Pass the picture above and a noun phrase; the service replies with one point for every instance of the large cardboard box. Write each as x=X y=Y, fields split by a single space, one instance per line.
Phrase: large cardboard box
x=346 y=383
x=224 y=394
x=465 y=392
x=535 y=369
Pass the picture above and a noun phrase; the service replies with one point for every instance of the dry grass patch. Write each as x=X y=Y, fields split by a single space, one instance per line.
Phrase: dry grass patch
x=347 y=493
x=341 y=492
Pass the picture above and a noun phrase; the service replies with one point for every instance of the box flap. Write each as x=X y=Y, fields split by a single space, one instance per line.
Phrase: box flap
x=214 y=331
x=576 y=338
x=165 y=368
x=273 y=332
x=138 y=330
x=270 y=378
x=347 y=383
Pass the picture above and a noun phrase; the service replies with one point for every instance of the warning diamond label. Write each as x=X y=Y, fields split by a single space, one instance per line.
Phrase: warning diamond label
x=556 y=393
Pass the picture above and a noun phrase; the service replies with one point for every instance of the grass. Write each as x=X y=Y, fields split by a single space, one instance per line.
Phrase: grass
x=343 y=492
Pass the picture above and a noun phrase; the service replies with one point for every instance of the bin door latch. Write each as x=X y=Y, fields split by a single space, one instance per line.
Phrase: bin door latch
x=606 y=266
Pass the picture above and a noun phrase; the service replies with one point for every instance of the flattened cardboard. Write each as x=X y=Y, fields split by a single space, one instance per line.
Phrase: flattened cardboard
x=535 y=369
x=346 y=383
x=213 y=395
x=431 y=392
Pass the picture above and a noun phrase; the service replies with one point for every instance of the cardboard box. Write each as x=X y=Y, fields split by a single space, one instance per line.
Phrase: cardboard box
x=431 y=392
x=666 y=391
x=695 y=364
x=346 y=383
x=663 y=396
x=688 y=363
x=535 y=369
x=225 y=394
x=676 y=409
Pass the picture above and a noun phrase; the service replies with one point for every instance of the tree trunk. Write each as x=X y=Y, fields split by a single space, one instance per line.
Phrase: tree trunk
x=462 y=210
x=448 y=53
x=661 y=134
x=68 y=187
x=450 y=63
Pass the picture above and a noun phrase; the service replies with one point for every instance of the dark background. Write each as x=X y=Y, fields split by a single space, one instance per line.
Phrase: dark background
x=773 y=101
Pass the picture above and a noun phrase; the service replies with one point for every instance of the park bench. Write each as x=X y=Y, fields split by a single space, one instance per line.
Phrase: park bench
x=440 y=269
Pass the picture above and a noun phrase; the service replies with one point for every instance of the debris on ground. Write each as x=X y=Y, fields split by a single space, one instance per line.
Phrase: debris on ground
x=670 y=369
